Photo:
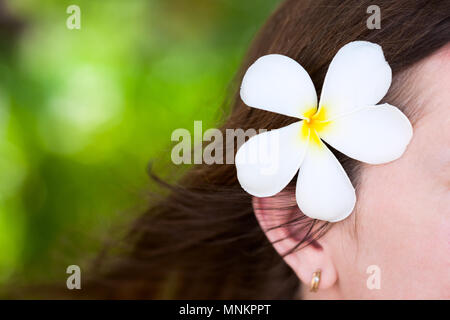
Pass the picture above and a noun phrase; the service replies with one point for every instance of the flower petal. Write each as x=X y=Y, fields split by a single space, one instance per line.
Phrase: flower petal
x=267 y=162
x=358 y=76
x=324 y=190
x=376 y=134
x=278 y=84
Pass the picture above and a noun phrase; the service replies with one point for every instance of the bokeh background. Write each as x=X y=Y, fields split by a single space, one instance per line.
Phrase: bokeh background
x=83 y=112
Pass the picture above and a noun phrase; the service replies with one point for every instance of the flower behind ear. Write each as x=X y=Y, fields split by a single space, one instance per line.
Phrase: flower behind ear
x=347 y=118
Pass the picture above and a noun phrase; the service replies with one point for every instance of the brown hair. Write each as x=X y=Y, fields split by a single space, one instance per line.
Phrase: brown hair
x=202 y=240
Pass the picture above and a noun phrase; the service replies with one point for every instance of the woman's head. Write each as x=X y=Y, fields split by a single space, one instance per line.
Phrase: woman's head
x=392 y=198
x=398 y=236
x=209 y=239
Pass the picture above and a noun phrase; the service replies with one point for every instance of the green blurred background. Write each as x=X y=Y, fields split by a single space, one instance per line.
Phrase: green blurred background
x=83 y=112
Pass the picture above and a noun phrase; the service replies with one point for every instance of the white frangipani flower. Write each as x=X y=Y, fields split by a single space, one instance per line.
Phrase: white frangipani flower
x=347 y=118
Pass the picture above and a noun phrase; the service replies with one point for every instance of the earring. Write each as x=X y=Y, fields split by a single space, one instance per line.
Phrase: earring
x=315 y=281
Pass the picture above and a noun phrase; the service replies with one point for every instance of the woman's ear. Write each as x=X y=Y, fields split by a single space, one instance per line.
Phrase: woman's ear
x=287 y=229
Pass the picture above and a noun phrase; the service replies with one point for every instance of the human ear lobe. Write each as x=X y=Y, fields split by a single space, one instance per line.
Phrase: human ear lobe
x=294 y=237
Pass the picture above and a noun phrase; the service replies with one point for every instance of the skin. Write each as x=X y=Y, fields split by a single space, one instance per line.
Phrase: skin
x=401 y=223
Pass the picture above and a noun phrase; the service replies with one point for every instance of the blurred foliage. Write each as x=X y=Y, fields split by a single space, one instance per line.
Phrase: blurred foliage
x=82 y=112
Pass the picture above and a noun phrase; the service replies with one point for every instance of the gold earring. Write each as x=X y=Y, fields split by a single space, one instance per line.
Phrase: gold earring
x=315 y=281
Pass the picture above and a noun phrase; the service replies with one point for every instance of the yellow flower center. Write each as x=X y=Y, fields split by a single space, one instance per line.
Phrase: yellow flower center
x=315 y=121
